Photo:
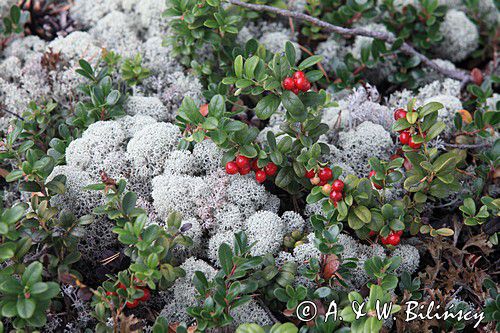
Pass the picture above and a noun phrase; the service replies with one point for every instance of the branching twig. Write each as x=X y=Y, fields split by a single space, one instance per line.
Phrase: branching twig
x=386 y=37
x=466 y=146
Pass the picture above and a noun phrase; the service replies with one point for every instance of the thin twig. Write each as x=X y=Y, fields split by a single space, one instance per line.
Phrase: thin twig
x=12 y=113
x=466 y=146
x=386 y=37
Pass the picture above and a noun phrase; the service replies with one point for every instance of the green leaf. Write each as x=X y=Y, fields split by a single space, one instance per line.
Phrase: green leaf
x=25 y=307
x=294 y=106
x=128 y=202
x=14 y=175
x=435 y=130
x=290 y=52
x=363 y=214
x=429 y=108
x=238 y=66
x=284 y=177
x=250 y=65
x=32 y=274
x=267 y=106
x=226 y=258
x=311 y=61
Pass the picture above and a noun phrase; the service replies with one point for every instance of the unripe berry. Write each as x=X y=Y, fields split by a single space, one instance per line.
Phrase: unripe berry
x=338 y=185
x=260 y=176
x=399 y=113
x=298 y=74
x=326 y=189
x=315 y=180
x=288 y=83
x=335 y=196
x=310 y=174
x=204 y=110
x=231 y=168
x=242 y=161
x=270 y=169
x=404 y=137
x=413 y=144
x=325 y=174
x=297 y=235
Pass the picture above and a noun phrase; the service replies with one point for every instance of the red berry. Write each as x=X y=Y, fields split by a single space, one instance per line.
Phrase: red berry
x=372 y=233
x=392 y=239
x=295 y=90
x=260 y=176
x=399 y=113
x=242 y=161
x=288 y=83
x=302 y=84
x=399 y=232
x=321 y=183
x=231 y=168
x=270 y=169
x=255 y=167
x=335 y=204
x=204 y=110
x=335 y=196
x=370 y=175
x=298 y=74
x=338 y=185
x=307 y=86
x=111 y=293
x=132 y=304
x=413 y=144
x=122 y=286
x=325 y=174
x=310 y=174
x=404 y=137
x=245 y=170
x=146 y=296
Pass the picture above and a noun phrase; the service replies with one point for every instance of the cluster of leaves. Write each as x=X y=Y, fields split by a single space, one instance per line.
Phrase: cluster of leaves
x=14 y=22
x=148 y=246
x=254 y=76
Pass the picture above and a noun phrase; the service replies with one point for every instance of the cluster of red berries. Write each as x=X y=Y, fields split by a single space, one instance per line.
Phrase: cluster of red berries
x=321 y=178
x=393 y=238
x=404 y=136
x=243 y=165
x=135 y=302
x=298 y=82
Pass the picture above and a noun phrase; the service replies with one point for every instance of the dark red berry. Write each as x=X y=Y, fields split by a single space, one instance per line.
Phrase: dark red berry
x=311 y=173
x=121 y=286
x=245 y=170
x=231 y=168
x=399 y=232
x=413 y=144
x=295 y=90
x=111 y=293
x=260 y=176
x=301 y=84
x=404 y=137
x=146 y=296
x=255 y=167
x=270 y=169
x=306 y=87
x=370 y=175
x=338 y=185
x=372 y=233
x=288 y=83
x=399 y=113
x=321 y=183
x=325 y=174
x=242 y=161
x=132 y=304
x=335 y=196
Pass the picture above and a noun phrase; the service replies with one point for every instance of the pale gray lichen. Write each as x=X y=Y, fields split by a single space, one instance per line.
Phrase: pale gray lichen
x=460 y=36
x=267 y=230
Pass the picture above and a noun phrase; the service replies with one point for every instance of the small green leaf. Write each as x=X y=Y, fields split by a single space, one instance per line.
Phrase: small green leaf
x=311 y=61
